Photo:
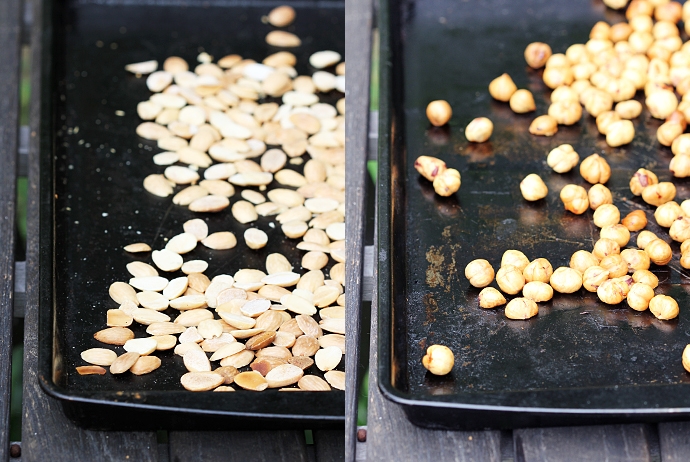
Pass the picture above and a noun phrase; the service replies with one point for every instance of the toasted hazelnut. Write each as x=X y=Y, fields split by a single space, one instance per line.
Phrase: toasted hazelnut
x=479 y=130
x=595 y=169
x=599 y=195
x=558 y=75
x=580 y=85
x=563 y=94
x=563 y=158
x=679 y=118
x=630 y=109
x=620 y=89
x=671 y=12
x=438 y=360
x=439 y=112
x=684 y=246
x=605 y=119
x=536 y=54
x=620 y=32
x=600 y=30
x=510 y=279
x=606 y=215
x=581 y=260
x=597 y=101
x=491 y=298
x=533 y=187
x=615 y=265
x=558 y=60
x=644 y=238
x=640 y=41
x=537 y=291
x=641 y=179
x=620 y=133
x=479 y=272
x=680 y=229
x=661 y=103
x=522 y=101
x=429 y=167
x=544 y=125
x=616 y=4
x=605 y=247
x=566 y=280
x=639 y=8
x=593 y=277
x=667 y=213
x=686 y=358
x=447 y=182
x=685 y=259
x=582 y=73
x=646 y=277
x=612 y=291
x=538 y=270
x=515 y=258
x=502 y=88
x=668 y=132
x=663 y=307
x=639 y=80
x=639 y=296
x=617 y=233
x=635 y=220
x=566 y=112
x=681 y=145
x=635 y=259
x=660 y=193
x=574 y=199
x=680 y=166
x=659 y=252
x=521 y=308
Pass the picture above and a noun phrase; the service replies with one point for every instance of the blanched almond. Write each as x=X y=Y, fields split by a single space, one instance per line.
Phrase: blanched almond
x=99 y=356
x=197 y=227
x=313 y=383
x=124 y=363
x=145 y=365
x=283 y=375
x=336 y=379
x=137 y=247
x=90 y=370
x=196 y=361
x=114 y=335
x=212 y=203
x=201 y=381
x=221 y=240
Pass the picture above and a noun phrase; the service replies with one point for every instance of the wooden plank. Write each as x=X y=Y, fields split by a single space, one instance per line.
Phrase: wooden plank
x=630 y=443
x=46 y=432
x=10 y=36
x=257 y=446
x=674 y=441
x=329 y=445
x=358 y=23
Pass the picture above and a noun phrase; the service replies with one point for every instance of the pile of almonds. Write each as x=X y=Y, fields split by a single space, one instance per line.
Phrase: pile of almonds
x=258 y=324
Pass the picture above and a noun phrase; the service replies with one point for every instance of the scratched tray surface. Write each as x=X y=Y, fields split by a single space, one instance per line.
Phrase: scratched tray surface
x=100 y=204
x=576 y=348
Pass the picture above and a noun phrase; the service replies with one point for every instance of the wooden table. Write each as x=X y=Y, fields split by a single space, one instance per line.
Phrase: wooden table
x=46 y=433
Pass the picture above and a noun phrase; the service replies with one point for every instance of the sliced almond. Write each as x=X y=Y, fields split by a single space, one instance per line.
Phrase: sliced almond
x=283 y=375
x=201 y=381
x=260 y=341
x=212 y=203
x=269 y=320
x=334 y=312
x=218 y=187
x=294 y=229
x=145 y=316
x=282 y=279
x=254 y=308
x=291 y=327
x=308 y=326
x=189 y=195
x=142 y=68
x=196 y=227
x=165 y=342
x=303 y=362
x=198 y=282
x=120 y=291
x=114 y=335
x=188 y=302
x=336 y=379
x=194 y=267
x=176 y=287
x=337 y=326
x=333 y=340
x=118 y=318
x=273 y=293
x=298 y=305
x=228 y=373
x=286 y=197
x=255 y=238
x=328 y=359
x=143 y=346
x=145 y=365
x=193 y=317
x=124 y=363
x=284 y=339
x=152 y=131
x=196 y=361
x=238 y=360
x=221 y=240
x=274 y=351
x=251 y=179
x=141 y=269
x=210 y=328
x=211 y=345
x=338 y=273
x=279 y=38
x=99 y=356
x=244 y=212
x=311 y=280
x=90 y=370
x=182 y=348
x=305 y=345
x=264 y=365
x=314 y=260
x=313 y=383
x=226 y=350
x=167 y=260
x=152 y=300
x=238 y=321
x=154 y=283
x=137 y=247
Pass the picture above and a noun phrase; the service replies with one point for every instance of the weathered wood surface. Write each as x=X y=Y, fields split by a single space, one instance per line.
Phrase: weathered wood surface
x=329 y=445
x=259 y=446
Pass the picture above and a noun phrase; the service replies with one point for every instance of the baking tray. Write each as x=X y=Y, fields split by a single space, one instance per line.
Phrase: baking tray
x=579 y=361
x=93 y=203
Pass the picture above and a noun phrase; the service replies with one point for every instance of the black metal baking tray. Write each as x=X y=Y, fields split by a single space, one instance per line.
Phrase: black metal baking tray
x=579 y=361
x=93 y=165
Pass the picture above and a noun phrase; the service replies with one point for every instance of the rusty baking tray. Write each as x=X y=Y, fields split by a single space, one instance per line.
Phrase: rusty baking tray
x=579 y=361
x=93 y=166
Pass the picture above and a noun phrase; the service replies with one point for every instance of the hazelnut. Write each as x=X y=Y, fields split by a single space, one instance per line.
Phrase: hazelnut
x=447 y=182
x=502 y=88
x=639 y=8
x=479 y=272
x=684 y=246
x=479 y=130
x=564 y=93
x=556 y=76
x=680 y=229
x=582 y=260
x=575 y=199
x=510 y=279
x=605 y=119
x=646 y=277
x=641 y=179
x=536 y=54
x=593 y=277
x=533 y=187
x=566 y=280
x=595 y=169
x=639 y=80
x=616 y=4
x=615 y=265
x=644 y=238
x=659 y=252
x=600 y=30
x=558 y=60
x=635 y=220
x=663 y=307
x=620 y=133
x=680 y=166
x=438 y=359
x=429 y=167
x=685 y=206
x=640 y=41
x=491 y=298
x=667 y=213
x=544 y=125
x=538 y=270
x=580 y=85
x=563 y=158
x=605 y=247
x=566 y=112
x=668 y=132
x=685 y=259
x=681 y=145
x=537 y=291
x=639 y=296
x=620 y=32
x=515 y=258
x=521 y=308
x=582 y=72
x=671 y=12
x=686 y=358
x=630 y=109
x=661 y=103
x=679 y=118
x=612 y=291
x=620 y=89
x=660 y=193
x=635 y=259
x=599 y=195
x=439 y=112
x=606 y=215
x=597 y=101
x=617 y=233
x=522 y=101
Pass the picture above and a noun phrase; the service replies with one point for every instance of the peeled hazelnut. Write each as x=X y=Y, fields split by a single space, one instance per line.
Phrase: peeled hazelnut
x=686 y=358
x=620 y=133
x=615 y=265
x=659 y=252
x=639 y=8
x=558 y=60
x=684 y=246
x=667 y=213
x=566 y=112
x=606 y=215
x=605 y=247
x=668 y=132
x=620 y=89
x=537 y=291
x=439 y=112
x=566 y=280
x=620 y=32
x=613 y=291
x=555 y=76
x=605 y=119
x=536 y=54
x=515 y=258
x=659 y=193
x=661 y=103
x=538 y=270
x=544 y=125
x=479 y=272
x=677 y=117
x=522 y=102
x=617 y=233
x=600 y=30
x=671 y=12
x=429 y=167
x=635 y=259
x=685 y=206
x=635 y=220
x=521 y=308
x=685 y=259
x=616 y=4
x=583 y=260
x=564 y=93
x=563 y=158
x=491 y=298
x=639 y=296
x=597 y=101
x=640 y=40
x=438 y=360
x=681 y=145
x=599 y=195
x=629 y=109
x=502 y=88
x=680 y=166
x=641 y=179
x=663 y=307
x=447 y=182
x=644 y=238
x=533 y=187
x=646 y=277
x=593 y=277
x=510 y=279
x=595 y=169
x=479 y=130
x=680 y=229
x=575 y=199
